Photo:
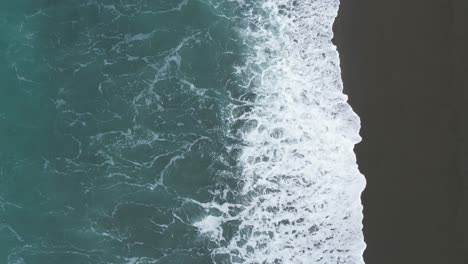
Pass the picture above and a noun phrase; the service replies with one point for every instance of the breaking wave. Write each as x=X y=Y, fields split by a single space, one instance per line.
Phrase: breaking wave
x=299 y=200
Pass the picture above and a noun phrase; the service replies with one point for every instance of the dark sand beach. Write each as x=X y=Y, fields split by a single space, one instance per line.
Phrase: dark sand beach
x=404 y=67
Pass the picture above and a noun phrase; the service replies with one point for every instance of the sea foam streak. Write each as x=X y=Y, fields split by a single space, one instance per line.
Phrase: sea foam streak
x=301 y=183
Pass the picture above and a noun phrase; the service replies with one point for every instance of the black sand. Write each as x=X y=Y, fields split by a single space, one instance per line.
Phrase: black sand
x=404 y=67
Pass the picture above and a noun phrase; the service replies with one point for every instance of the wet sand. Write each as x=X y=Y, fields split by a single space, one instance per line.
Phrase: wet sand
x=404 y=67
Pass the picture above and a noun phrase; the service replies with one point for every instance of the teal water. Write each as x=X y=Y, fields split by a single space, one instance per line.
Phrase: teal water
x=111 y=115
x=175 y=131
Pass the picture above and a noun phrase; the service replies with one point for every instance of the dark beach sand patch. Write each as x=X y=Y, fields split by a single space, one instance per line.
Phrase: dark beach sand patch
x=404 y=66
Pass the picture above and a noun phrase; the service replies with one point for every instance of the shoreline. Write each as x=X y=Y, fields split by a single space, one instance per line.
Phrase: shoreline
x=404 y=67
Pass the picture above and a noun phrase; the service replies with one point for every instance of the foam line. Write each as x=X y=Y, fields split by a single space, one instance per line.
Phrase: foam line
x=301 y=183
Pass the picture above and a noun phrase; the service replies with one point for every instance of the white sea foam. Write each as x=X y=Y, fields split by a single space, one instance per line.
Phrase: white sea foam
x=302 y=186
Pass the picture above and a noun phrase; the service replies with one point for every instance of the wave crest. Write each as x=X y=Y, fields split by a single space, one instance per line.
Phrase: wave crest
x=301 y=184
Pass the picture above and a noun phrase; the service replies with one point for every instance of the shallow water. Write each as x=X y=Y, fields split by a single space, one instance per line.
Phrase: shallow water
x=175 y=132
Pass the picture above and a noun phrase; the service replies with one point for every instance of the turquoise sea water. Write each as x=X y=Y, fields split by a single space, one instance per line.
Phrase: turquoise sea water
x=133 y=132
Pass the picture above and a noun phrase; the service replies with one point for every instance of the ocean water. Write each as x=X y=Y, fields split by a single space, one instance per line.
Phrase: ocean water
x=175 y=131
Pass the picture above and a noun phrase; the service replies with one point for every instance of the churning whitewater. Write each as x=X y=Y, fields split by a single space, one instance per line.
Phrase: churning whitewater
x=300 y=183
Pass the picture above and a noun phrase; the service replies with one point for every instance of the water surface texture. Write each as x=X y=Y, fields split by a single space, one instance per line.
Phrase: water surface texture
x=175 y=131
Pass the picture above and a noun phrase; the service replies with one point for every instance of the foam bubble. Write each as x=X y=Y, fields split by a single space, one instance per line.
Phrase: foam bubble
x=211 y=225
x=301 y=185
